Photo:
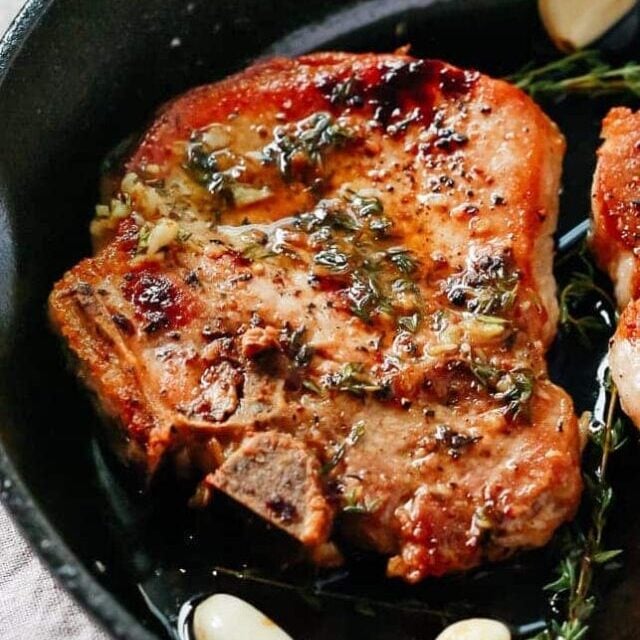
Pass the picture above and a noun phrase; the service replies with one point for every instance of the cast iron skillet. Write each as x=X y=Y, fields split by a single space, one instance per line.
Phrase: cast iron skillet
x=76 y=77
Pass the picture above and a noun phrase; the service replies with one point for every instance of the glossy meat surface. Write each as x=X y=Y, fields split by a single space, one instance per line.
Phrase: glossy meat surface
x=616 y=243
x=324 y=287
x=616 y=202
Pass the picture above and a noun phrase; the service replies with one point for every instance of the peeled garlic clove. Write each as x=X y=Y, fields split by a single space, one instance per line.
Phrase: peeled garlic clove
x=574 y=24
x=225 y=617
x=476 y=629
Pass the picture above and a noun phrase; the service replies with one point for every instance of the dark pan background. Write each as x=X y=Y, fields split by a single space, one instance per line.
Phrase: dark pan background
x=77 y=76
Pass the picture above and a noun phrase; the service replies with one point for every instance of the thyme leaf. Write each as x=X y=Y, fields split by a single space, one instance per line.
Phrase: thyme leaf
x=300 y=145
x=487 y=286
x=313 y=386
x=354 y=503
x=347 y=93
x=410 y=323
x=513 y=387
x=326 y=218
x=580 y=287
x=294 y=345
x=365 y=205
x=402 y=259
x=217 y=171
x=356 y=433
x=366 y=294
x=333 y=259
x=257 y=251
x=351 y=378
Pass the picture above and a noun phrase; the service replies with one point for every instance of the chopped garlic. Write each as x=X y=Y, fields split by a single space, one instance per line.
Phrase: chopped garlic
x=102 y=211
x=129 y=182
x=225 y=617
x=432 y=199
x=479 y=330
x=101 y=230
x=144 y=196
x=258 y=156
x=453 y=334
x=162 y=235
x=216 y=137
x=476 y=629
x=244 y=195
x=348 y=189
x=106 y=221
x=119 y=209
x=574 y=24
x=436 y=350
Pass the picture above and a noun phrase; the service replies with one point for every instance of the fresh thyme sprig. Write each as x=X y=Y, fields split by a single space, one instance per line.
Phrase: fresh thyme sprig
x=580 y=289
x=583 y=72
x=586 y=551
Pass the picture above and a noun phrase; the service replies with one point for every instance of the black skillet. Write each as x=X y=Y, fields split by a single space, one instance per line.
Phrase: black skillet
x=77 y=76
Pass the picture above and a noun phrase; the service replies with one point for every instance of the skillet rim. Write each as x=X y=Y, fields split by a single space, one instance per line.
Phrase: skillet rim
x=42 y=537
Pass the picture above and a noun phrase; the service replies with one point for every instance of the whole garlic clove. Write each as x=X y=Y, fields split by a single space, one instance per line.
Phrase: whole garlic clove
x=476 y=629
x=574 y=24
x=225 y=617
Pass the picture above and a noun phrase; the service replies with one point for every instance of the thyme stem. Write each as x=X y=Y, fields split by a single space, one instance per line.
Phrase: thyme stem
x=583 y=72
x=607 y=445
x=594 y=539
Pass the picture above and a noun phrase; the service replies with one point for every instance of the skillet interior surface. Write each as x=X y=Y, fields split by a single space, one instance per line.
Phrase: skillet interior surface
x=77 y=77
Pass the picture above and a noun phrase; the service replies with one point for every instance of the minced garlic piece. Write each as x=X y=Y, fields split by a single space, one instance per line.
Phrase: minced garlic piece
x=162 y=235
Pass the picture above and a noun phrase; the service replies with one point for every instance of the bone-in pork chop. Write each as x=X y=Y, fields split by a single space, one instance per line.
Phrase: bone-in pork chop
x=324 y=287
